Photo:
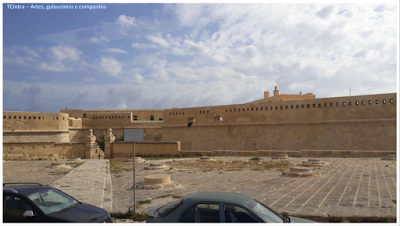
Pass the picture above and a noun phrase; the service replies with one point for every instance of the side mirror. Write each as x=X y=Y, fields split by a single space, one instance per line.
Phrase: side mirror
x=28 y=213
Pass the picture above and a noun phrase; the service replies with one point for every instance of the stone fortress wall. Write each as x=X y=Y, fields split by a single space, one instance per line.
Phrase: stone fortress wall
x=287 y=122
x=341 y=123
x=35 y=127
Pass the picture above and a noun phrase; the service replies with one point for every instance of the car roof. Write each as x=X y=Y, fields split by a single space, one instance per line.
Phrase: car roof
x=24 y=189
x=218 y=197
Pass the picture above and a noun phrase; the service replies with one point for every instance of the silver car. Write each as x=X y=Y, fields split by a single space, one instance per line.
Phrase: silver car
x=216 y=207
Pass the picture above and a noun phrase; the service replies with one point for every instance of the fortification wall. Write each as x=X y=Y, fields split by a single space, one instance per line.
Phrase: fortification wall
x=379 y=134
x=381 y=106
x=34 y=121
x=74 y=122
x=35 y=136
x=80 y=134
x=141 y=114
x=125 y=149
x=42 y=150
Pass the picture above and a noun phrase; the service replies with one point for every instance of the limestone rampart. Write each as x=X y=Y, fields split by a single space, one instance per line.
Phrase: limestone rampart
x=334 y=135
x=34 y=121
x=125 y=149
x=42 y=150
x=380 y=106
x=141 y=114
x=36 y=136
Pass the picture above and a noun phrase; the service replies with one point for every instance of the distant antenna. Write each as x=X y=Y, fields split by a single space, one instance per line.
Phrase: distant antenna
x=350 y=90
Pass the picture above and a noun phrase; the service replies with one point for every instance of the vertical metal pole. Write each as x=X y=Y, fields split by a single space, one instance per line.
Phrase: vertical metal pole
x=134 y=181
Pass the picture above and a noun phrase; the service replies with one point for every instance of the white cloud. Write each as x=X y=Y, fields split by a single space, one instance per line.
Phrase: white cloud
x=126 y=21
x=143 y=45
x=110 y=65
x=159 y=40
x=53 y=66
x=60 y=53
x=121 y=106
x=101 y=40
x=114 y=50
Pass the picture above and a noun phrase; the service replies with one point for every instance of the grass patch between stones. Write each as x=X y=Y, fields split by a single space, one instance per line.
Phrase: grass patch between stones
x=144 y=202
x=130 y=215
x=74 y=164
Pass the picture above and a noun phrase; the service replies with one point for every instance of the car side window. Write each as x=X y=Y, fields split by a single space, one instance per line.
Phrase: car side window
x=15 y=206
x=205 y=213
x=236 y=214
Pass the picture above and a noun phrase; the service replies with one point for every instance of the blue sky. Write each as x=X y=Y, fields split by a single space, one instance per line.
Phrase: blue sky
x=141 y=56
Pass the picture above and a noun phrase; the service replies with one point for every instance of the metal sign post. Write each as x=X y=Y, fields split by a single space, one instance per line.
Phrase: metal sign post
x=134 y=181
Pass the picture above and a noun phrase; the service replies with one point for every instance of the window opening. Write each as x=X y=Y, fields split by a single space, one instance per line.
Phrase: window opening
x=384 y=101
x=151 y=117
x=377 y=101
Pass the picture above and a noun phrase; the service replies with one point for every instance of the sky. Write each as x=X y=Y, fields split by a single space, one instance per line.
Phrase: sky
x=146 y=56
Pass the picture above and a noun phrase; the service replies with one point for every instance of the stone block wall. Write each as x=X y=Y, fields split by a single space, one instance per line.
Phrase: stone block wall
x=34 y=121
x=42 y=150
x=125 y=149
x=381 y=106
x=339 y=135
x=35 y=136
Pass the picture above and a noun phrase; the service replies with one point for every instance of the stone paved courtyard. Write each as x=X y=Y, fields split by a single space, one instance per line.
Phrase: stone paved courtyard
x=347 y=186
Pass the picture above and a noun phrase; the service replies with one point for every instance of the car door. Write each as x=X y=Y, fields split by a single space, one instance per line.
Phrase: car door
x=14 y=206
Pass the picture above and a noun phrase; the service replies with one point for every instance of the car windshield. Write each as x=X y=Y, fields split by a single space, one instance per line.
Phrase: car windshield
x=52 y=200
x=165 y=210
x=268 y=214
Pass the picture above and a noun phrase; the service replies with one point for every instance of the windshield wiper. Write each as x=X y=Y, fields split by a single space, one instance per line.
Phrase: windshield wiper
x=69 y=207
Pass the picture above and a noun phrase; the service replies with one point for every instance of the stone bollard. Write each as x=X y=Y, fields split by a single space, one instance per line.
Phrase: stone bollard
x=300 y=172
x=158 y=181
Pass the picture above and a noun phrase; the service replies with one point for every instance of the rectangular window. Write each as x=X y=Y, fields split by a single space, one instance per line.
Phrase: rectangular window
x=151 y=117
x=326 y=105
x=302 y=106
x=260 y=110
x=291 y=106
x=135 y=117
x=308 y=105
x=286 y=107
x=84 y=115
x=319 y=105
x=349 y=103
x=384 y=101
x=331 y=104
x=313 y=105
x=297 y=106
x=160 y=119
x=344 y=103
